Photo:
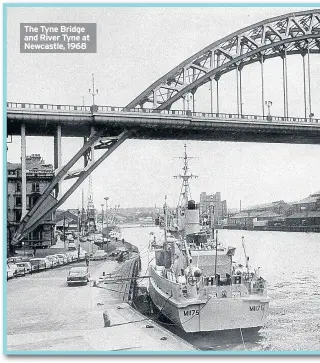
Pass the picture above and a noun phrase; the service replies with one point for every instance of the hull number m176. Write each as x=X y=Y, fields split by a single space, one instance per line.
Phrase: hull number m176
x=257 y=308
x=191 y=312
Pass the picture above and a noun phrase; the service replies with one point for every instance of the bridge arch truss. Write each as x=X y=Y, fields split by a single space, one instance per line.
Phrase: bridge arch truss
x=281 y=36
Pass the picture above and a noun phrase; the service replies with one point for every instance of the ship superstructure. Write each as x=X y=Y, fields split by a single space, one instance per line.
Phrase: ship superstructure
x=194 y=280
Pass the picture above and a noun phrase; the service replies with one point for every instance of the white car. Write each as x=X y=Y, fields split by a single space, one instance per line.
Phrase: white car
x=99 y=255
x=62 y=258
x=10 y=272
x=14 y=259
x=54 y=260
x=23 y=268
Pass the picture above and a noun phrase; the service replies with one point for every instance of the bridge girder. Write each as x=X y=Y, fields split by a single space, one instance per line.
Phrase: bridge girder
x=47 y=204
x=294 y=33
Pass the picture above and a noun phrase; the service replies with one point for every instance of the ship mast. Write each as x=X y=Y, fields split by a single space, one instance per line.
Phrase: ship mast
x=185 y=188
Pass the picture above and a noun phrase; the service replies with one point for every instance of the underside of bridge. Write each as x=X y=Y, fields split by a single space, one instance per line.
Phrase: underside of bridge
x=282 y=36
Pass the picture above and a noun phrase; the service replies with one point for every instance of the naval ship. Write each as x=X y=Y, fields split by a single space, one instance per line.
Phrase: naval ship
x=195 y=282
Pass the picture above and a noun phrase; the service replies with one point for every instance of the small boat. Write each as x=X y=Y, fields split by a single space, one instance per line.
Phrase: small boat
x=195 y=282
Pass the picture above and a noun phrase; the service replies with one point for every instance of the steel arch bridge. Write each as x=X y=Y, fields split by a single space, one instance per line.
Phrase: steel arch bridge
x=281 y=36
x=294 y=33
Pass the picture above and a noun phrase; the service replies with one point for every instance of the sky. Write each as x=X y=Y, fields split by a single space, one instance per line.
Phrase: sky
x=136 y=46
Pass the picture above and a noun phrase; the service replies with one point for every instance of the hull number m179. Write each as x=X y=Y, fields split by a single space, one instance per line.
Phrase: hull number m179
x=191 y=312
x=257 y=308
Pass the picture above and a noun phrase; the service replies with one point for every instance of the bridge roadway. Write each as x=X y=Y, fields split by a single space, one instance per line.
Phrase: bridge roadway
x=76 y=121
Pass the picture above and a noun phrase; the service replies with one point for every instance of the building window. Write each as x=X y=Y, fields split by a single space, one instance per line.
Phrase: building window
x=17 y=215
x=18 y=201
x=18 y=188
x=35 y=235
x=33 y=200
x=35 y=187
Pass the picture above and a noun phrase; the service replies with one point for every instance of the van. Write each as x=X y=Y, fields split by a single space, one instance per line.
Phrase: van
x=72 y=246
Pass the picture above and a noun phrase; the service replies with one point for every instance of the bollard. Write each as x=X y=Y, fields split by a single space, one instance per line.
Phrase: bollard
x=103 y=273
x=106 y=319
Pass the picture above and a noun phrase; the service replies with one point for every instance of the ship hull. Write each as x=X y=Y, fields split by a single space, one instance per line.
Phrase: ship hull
x=213 y=314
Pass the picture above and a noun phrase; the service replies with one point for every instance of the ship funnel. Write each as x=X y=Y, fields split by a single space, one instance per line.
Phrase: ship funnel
x=192 y=218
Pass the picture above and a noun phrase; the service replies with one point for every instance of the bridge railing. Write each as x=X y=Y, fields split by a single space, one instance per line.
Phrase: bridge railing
x=47 y=107
x=117 y=109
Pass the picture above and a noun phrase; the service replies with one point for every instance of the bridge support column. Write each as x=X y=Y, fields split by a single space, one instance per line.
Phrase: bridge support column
x=285 y=84
x=211 y=96
x=23 y=171
x=218 y=106
x=57 y=155
x=193 y=101
x=307 y=84
x=262 y=83
x=239 y=90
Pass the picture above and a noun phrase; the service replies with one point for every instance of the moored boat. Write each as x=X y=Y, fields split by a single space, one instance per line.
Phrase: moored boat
x=196 y=283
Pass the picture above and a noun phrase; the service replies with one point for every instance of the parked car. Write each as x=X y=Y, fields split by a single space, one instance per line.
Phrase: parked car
x=10 y=272
x=48 y=262
x=99 y=255
x=78 y=275
x=38 y=264
x=122 y=256
x=54 y=260
x=82 y=255
x=61 y=258
x=117 y=252
x=23 y=268
x=14 y=259
x=72 y=246
x=69 y=257
x=74 y=255
x=13 y=267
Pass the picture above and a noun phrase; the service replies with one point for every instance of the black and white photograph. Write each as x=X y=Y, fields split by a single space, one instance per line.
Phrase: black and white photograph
x=162 y=179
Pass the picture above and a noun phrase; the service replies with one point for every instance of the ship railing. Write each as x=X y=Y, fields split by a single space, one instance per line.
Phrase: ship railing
x=228 y=291
x=258 y=288
x=237 y=286
x=170 y=288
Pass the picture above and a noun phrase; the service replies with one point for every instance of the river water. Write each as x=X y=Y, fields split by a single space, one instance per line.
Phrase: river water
x=291 y=264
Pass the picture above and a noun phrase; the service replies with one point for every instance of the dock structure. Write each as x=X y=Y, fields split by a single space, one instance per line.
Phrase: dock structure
x=111 y=291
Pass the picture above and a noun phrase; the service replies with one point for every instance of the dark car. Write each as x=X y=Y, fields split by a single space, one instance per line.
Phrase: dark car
x=78 y=275
x=122 y=256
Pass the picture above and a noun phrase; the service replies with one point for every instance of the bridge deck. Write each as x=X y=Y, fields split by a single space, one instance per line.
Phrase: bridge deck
x=76 y=121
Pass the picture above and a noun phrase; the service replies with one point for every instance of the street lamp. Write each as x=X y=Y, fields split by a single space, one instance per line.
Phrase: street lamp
x=268 y=104
x=310 y=116
x=106 y=199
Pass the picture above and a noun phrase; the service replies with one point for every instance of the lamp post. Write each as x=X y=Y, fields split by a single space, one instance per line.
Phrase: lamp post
x=107 y=230
x=93 y=91
x=102 y=205
x=268 y=104
x=310 y=116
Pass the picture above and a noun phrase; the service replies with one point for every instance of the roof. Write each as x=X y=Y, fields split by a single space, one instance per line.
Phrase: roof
x=265 y=206
x=269 y=214
x=66 y=222
x=255 y=214
x=308 y=200
x=13 y=166
x=305 y=215
x=67 y=215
